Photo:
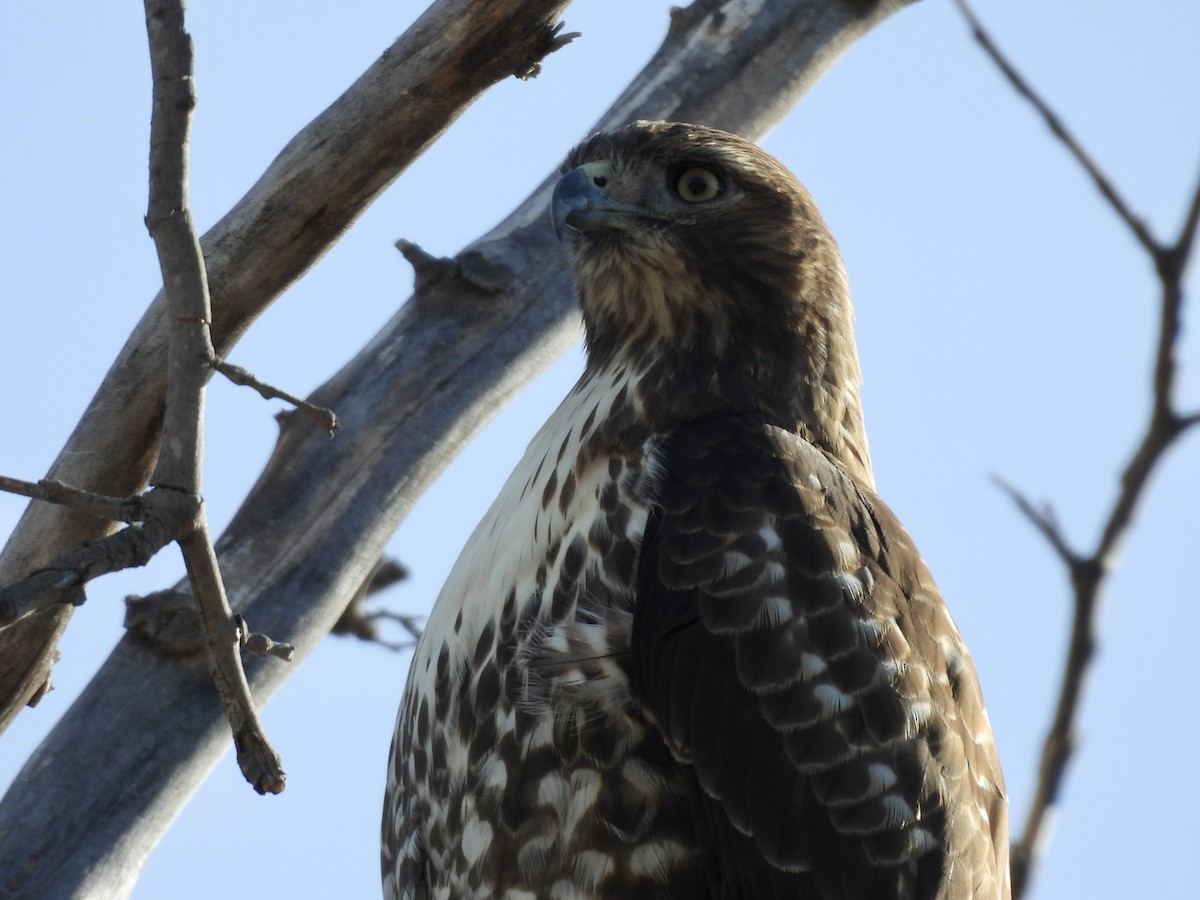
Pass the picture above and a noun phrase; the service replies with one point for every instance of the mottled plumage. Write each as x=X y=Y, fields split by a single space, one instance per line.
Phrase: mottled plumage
x=688 y=653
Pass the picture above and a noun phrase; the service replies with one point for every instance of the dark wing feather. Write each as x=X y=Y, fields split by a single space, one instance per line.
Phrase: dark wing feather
x=793 y=650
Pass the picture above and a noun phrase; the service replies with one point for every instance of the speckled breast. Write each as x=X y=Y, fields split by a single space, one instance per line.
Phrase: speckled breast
x=522 y=767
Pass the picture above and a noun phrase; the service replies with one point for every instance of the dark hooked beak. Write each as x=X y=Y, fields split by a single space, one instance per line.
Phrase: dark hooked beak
x=581 y=201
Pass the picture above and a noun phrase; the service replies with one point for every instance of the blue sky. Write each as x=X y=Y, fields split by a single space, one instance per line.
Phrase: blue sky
x=1005 y=322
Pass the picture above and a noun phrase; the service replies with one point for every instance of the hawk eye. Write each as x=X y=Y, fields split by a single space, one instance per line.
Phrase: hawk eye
x=696 y=185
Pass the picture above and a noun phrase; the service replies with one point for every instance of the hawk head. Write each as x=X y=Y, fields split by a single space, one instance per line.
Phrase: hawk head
x=703 y=264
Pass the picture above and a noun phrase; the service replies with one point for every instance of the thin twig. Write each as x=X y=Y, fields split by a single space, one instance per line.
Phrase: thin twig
x=1059 y=129
x=1042 y=521
x=244 y=377
x=118 y=509
x=1088 y=573
x=367 y=631
x=259 y=644
x=357 y=622
x=1187 y=234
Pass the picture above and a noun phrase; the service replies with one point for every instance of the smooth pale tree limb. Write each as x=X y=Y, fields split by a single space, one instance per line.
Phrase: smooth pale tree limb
x=317 y=186
x=1088 y=572
x=310 y=532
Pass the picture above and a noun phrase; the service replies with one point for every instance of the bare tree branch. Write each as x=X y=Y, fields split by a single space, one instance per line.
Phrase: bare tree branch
x=1182 y=250
x=357 y=621
x=1087 y=573
x=313 y=527
x=177 y=476
x=118 y=509
x=224 y=636
x=62 y=580
x=320 y=182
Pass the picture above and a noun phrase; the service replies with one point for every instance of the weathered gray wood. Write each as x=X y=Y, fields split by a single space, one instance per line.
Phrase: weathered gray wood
x=80 y=821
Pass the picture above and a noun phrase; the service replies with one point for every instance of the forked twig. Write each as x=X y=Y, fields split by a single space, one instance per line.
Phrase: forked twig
x=1088 y=572
x=356 y=621
x=190 y=350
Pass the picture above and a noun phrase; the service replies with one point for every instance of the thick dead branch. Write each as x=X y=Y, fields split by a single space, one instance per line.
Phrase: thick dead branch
x=320 y=183
x=1088 y=572
x=313 y=527
x=168 y=619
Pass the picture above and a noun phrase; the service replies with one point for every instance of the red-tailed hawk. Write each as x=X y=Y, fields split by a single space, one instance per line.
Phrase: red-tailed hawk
x=688 y=653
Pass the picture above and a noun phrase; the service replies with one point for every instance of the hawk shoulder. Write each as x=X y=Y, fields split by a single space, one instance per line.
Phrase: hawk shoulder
x=792 y=648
